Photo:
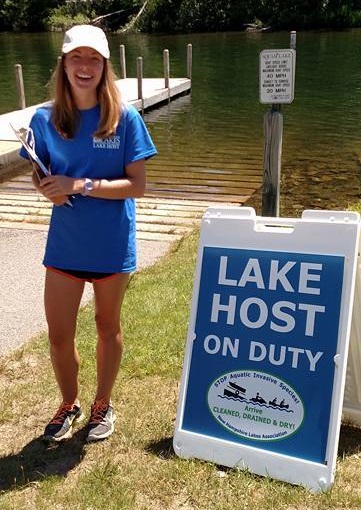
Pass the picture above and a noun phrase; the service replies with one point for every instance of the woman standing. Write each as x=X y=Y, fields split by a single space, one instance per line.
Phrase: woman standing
x=96 y=148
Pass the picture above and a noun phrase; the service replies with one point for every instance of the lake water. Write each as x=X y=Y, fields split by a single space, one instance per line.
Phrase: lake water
x=216 y=134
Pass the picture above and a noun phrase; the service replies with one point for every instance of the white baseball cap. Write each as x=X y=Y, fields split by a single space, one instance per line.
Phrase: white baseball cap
x=86 y=35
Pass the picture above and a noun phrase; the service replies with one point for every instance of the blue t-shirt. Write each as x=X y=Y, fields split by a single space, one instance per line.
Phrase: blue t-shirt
x=96 y=234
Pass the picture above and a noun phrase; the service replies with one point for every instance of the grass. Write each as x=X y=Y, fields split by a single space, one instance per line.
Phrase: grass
x=136 y=469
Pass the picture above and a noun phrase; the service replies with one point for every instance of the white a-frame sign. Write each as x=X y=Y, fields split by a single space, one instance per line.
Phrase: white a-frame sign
x=266 y=353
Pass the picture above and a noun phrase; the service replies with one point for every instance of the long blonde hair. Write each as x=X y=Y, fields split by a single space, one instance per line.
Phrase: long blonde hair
x=65 y=114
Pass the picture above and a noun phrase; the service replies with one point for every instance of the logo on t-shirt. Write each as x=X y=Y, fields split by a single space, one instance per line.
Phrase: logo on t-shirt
x=113 y=142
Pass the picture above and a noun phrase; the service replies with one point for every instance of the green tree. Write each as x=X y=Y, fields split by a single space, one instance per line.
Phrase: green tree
x=180 y=15
x=108 y=13
x=339 y=13
x=25 y=14
x=161 y=16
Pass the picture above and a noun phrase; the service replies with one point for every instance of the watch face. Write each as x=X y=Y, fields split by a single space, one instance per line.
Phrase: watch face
x=89 y=185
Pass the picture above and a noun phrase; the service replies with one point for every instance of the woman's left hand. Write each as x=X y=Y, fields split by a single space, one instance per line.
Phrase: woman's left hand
x=57 y=185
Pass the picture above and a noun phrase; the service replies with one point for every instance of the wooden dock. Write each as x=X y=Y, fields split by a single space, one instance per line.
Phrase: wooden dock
x=150 y=94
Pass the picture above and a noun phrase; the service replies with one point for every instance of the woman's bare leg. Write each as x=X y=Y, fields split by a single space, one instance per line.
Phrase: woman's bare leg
x=62 y=299
x=109 y=296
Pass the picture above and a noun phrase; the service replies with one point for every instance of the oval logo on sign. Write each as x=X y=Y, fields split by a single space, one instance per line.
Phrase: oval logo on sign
x=255 y=405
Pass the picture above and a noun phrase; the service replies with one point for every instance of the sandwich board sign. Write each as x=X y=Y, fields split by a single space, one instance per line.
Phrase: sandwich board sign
x=266 y=352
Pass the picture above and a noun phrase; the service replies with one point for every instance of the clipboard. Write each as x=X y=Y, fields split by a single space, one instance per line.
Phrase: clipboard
x=22 y=134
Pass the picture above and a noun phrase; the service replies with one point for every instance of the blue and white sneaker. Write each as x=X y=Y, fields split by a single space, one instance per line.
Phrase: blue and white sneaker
x=61 y=426
x=101 y=422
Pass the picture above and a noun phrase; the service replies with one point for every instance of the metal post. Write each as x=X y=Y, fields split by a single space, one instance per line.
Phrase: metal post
x=20 y=85
x=293 y=37
x=140 y=79
x=123 y=68
x=166 y=70
x=189 y=61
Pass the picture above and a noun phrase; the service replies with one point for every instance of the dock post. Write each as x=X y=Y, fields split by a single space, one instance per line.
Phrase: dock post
x=166 y=71
x=293 y=37
x=20 y=85
x=140 y=80
x=123 y=68
x=189 y=61
x=273 y=129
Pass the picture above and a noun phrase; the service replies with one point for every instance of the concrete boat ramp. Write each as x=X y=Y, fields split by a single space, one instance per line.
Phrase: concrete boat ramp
x=158 y=219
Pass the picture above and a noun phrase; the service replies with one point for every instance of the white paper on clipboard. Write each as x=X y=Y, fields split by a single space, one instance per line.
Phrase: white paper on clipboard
x=26 y=138
x=22 y=135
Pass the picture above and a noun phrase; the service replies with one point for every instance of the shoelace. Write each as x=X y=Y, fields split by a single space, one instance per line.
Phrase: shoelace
x=62 y=413
x=98 y=411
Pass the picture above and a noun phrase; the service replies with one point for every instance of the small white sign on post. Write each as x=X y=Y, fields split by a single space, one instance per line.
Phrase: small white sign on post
x=277 y=76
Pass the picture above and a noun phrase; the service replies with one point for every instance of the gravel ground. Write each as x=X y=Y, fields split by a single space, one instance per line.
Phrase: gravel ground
x=22 y=280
